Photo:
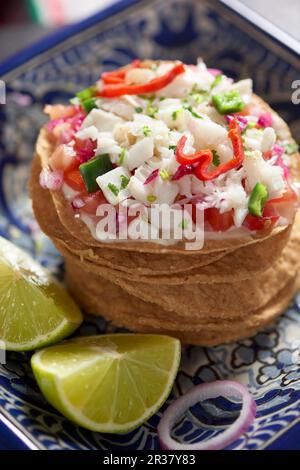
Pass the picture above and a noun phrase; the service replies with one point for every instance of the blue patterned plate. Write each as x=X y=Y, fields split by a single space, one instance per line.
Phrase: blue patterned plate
x=54 y=70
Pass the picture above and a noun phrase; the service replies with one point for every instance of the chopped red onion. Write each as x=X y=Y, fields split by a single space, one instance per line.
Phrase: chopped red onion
x=215 y=72
x=66 y=135
x=77 y=203
x=85 y=149
x=152 y=176
x=182 y=171
x=74 y=121
x=121 y=222
x=53 y=123
x=277 y=150
x=224 y=388
x=283 y=166
x=51 y=179
x=192 y=200
x=242 y=120
x=265 y=120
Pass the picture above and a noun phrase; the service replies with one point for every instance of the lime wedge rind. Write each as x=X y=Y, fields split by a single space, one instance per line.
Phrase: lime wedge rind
x=63 y=330
x=52 y=386
x=35 y=309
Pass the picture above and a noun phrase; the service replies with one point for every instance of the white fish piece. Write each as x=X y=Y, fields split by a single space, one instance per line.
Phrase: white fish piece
x=140 y=191
x=165 y=152
x=253 y=139
x=240 y=214
x=136 y=186
x=206 y=133
x=224 y=85
x=158 y=129
x=245 y=88
x=107 y=144
x=253 y=143
x=172 y=113
x=258 y=170
x=165 y=191
x=139 y=76
x=102 y=120
x=185 y=186
x=139 y=153
x=235 y=197
x=69 y=192
x=90 y=132
x=164 y=67
x=225 y=151
x=185 y=82
x=170 y=164
x=120 y=107
x=268 y=139
x=114 y=178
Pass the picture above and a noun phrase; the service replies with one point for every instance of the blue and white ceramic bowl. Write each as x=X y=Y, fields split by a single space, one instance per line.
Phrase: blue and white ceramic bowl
x=54 y=70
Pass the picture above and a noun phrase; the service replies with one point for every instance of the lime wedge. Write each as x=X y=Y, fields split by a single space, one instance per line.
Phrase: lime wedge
x=35 y=310
x=109 y=383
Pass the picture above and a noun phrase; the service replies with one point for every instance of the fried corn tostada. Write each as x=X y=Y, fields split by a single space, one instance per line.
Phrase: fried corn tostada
x=169 y=136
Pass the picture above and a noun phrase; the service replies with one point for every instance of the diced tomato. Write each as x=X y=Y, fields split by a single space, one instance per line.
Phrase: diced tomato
x=288 y=197
x=267 y=155
x=59 y=111
x=250 y=110
x=266 y=222
x=92 y=201
x=219 y=222
x=85 y=149
x=74 y=179
x=285 y=206
x=63 y=158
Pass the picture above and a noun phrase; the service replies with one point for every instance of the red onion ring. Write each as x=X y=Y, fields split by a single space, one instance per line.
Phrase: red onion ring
x=152 y=176
x=182 y=171
x=224 y=388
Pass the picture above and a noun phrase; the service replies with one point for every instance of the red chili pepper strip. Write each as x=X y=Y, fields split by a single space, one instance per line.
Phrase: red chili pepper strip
x=118 y=76
x=198 y=157
x=204 y=158
x=119 y=89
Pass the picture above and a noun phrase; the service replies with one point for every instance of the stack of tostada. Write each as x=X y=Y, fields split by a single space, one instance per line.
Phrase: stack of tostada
x=166 y=133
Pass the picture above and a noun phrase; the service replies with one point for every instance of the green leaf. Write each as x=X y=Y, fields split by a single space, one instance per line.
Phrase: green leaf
x=217 y=81
x=151 y=198
x=193 y=113
x=121 y=157
x=89 y=104
x=124 y=181
x=164 y=174
x=291 y=148
x=146 y=131
x=113 y=188
x=216 y=158
x=85 y=94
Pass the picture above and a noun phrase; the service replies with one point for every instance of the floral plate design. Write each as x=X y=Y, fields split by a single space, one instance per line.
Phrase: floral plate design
x=53 y=71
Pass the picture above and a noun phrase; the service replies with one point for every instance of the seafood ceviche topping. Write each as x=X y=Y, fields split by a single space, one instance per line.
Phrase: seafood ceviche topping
x=166 y=133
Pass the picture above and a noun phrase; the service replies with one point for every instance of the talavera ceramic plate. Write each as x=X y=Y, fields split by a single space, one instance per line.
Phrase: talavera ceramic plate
x=54 y=70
